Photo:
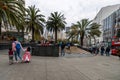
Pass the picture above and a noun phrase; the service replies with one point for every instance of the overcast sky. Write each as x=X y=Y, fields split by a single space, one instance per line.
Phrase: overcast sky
x=73 y=10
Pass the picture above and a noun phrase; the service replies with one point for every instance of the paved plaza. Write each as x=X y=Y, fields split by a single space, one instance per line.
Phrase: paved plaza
x=69 y=67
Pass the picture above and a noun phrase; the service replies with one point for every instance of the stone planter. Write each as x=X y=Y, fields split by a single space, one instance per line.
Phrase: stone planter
x=50 y=51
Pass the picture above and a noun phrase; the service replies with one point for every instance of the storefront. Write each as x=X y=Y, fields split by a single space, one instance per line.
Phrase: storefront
x=9 y=35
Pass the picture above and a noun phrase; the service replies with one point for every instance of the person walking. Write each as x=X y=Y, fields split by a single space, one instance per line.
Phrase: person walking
x=107 y=51
x=102 y=50
x=16 y=48
x=68 y=46
x=97 y=51
x=62 y=49
x=60 y=44
x=94 y=50
x=10 y=54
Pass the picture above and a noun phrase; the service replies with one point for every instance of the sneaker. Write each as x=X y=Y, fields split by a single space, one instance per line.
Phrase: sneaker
x=16 y=61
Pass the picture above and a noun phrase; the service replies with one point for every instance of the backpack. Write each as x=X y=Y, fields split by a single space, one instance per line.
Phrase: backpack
x=18 y=47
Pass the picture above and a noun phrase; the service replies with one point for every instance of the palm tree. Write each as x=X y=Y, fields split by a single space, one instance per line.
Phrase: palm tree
x=34 y=21
x=82 y=28
x=10 y=11
x=73 y=32
x=94 y=31
x=56 y=22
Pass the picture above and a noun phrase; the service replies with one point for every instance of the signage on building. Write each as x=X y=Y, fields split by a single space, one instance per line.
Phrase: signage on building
x=116 y=43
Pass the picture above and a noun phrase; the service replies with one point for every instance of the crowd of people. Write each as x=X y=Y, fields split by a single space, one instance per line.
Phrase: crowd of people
x=94 y=50
x=102 y=50
x=15 y=51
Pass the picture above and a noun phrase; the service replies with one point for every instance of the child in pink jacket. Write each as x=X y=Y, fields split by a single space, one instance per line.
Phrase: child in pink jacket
x=27 y=56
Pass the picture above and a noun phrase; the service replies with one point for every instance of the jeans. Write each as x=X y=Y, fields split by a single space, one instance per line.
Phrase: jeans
x=17 y=53
x=107 y=54
x=102 y=53
x=62 y=52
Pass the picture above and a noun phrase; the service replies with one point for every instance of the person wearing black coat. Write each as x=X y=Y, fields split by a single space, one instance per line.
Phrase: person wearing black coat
x=62 y=49
x=102 y=50
x=107 y=51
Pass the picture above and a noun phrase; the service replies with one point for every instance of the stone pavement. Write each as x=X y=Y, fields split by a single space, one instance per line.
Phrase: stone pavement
x=69 y=67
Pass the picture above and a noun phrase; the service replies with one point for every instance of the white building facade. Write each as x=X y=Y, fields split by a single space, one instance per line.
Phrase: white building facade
x=102 y=14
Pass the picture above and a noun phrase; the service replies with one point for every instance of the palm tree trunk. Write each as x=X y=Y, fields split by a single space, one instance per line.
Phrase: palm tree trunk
x=32 y=33
x=0 y=28
x=72 y=38
x=90 y=41
x=55 y=34
x=81 y=40
x=23 y=34
x=75 y=38
x=94 y=40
